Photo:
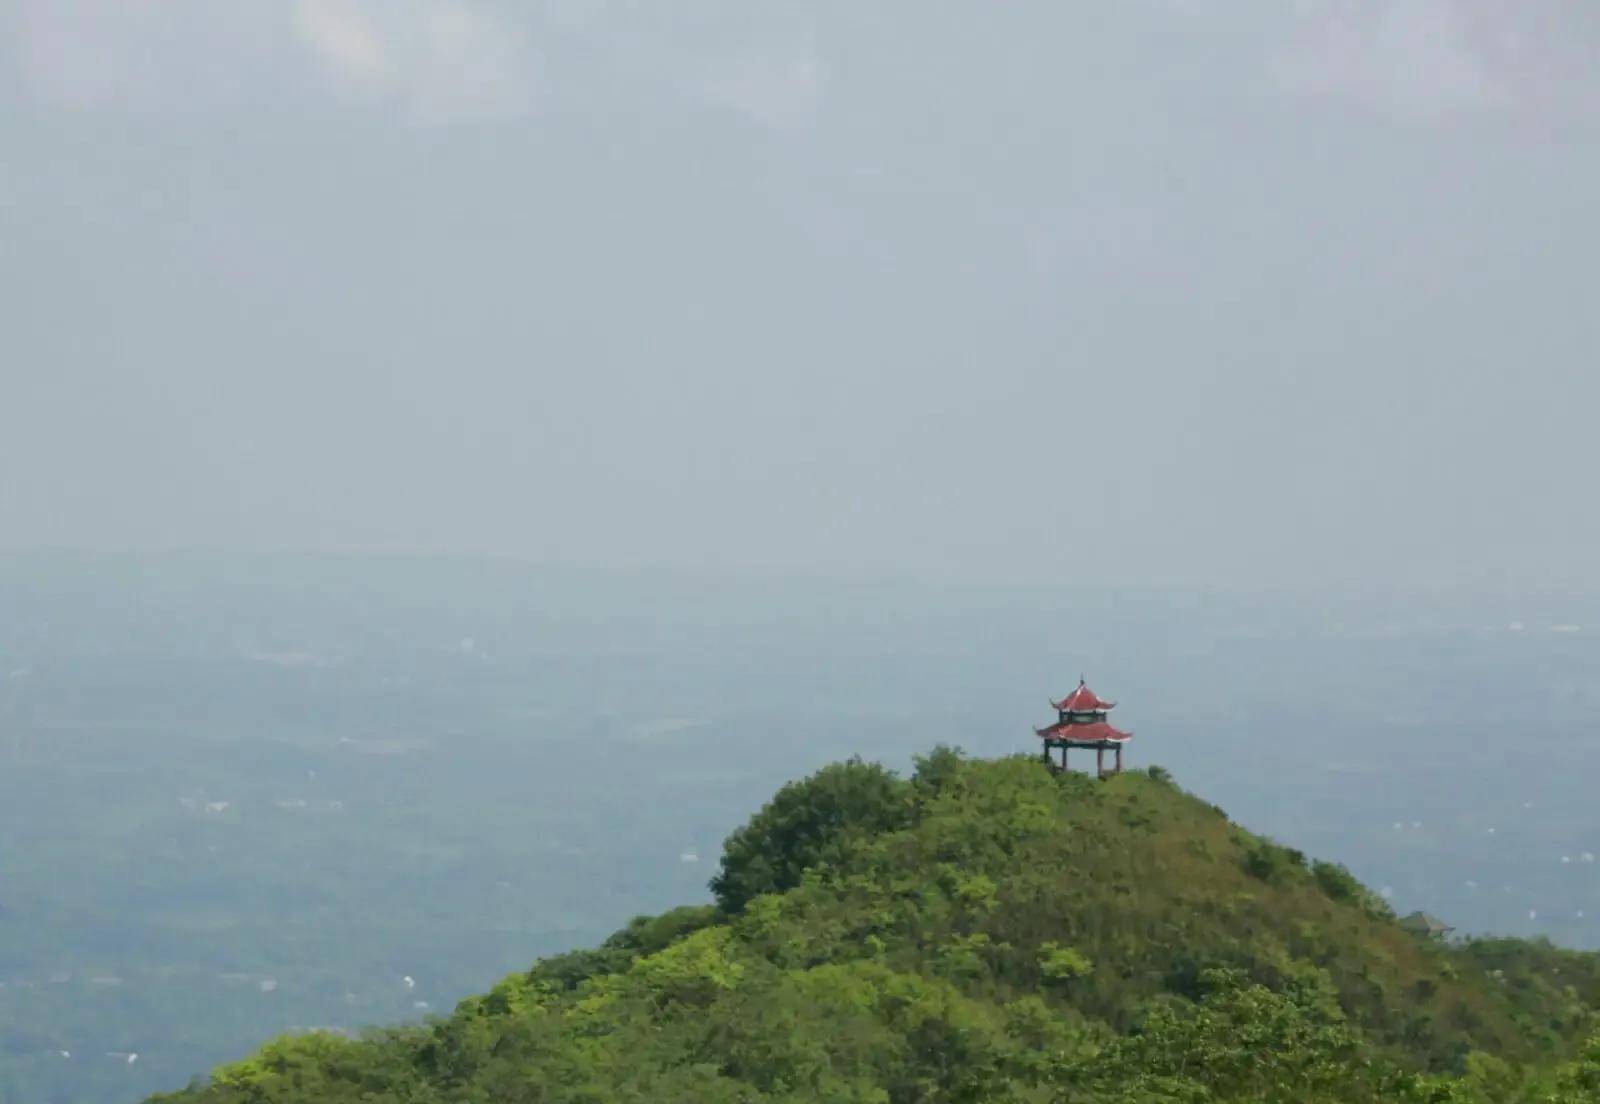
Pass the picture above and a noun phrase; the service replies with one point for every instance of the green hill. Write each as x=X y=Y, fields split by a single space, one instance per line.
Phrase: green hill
x=990 y=931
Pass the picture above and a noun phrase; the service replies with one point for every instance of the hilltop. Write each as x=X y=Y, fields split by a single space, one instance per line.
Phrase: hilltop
x=987 y=930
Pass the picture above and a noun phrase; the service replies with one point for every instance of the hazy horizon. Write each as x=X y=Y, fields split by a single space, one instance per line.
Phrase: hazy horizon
x=1281 y=295
x=459 y=458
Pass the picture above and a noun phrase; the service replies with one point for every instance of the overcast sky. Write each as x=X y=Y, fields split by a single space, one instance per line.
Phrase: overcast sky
x=1149 y=291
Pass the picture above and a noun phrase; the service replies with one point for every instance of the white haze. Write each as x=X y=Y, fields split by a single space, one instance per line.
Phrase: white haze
x=1136 y=292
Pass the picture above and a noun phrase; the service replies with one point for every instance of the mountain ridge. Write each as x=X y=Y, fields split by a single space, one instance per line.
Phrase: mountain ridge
x=991 y=930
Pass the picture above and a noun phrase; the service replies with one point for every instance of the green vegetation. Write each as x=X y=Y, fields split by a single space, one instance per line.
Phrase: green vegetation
x=989 y=931
x=808 y=824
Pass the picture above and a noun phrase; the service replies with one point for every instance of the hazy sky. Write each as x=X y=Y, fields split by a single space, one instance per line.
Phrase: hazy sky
x=1138 y=291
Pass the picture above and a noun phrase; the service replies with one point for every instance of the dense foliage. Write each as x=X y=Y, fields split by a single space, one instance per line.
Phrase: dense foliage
x=805 y=825
x=989 y=931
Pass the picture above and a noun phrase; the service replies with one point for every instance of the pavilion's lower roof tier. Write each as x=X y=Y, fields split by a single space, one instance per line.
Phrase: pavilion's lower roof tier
x=1097 y=732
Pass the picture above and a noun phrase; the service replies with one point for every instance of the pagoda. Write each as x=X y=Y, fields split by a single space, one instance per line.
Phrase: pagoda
x=1081 y=723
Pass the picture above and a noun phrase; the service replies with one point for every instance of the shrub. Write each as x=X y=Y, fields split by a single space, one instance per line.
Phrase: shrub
x=1060 y=963
x=648 y=934
x=935 y=770
x=1337 y=882
x=1270 y=862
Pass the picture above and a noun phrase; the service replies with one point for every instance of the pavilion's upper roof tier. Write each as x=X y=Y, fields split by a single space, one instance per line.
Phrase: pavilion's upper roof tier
x=1083 y=700
x=1095 y=732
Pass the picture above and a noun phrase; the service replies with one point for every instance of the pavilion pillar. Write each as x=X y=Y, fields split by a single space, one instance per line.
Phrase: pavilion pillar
x=1119 y=758
x=1099 y=761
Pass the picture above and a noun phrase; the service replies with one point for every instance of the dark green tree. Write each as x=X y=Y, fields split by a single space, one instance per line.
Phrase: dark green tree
x=806 y=823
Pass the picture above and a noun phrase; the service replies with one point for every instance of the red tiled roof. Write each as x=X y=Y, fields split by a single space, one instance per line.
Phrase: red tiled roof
x=1083 y=700
x=1094 y=733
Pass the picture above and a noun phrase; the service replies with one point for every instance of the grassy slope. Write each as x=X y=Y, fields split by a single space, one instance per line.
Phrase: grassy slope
x=1012 y=927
